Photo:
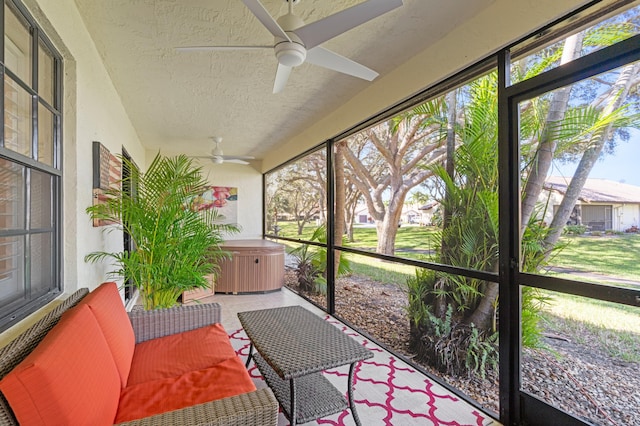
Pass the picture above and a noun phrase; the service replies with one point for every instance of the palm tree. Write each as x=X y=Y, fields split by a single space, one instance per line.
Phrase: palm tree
x=453 y=317
x=176 y=246
x=458 y=313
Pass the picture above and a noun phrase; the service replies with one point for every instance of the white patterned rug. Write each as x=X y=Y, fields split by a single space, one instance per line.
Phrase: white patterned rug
x=386 y=391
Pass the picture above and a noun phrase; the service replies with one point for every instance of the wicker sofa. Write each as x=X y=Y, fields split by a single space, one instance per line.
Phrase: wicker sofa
x=175 y=368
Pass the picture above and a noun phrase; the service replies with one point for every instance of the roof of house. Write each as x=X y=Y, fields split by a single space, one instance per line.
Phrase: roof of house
x=428 y=206
x=597 y=190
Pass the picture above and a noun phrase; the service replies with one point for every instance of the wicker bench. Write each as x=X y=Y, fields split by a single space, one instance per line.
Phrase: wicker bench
x=253 y=408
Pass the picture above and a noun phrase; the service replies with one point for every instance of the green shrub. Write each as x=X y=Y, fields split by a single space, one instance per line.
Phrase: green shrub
x=575 y=229
x=533 y=302
x=482 y=352
x=447 y=344
x=311 y=264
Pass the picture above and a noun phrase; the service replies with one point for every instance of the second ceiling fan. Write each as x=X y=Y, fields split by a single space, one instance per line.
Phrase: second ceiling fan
x=218 y=157
x=296 y=43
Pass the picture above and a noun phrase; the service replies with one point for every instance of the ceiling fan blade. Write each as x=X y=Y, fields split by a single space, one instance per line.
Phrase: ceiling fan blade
x=213 y=48
x=318 y=32
x=331 y=60
x=236 y=161
x=267 y=20
x=237 y=157
x=282 y=75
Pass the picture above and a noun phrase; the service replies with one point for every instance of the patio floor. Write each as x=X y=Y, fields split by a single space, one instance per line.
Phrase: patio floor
x=387 y=391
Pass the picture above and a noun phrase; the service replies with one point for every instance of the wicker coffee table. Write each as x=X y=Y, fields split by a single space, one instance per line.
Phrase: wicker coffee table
x=293 y=347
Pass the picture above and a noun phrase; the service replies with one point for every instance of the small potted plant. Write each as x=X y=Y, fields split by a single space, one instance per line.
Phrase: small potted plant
x=177 y=246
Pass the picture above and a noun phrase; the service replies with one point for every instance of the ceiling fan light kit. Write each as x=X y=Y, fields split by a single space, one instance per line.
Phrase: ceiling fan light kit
x=296 y=42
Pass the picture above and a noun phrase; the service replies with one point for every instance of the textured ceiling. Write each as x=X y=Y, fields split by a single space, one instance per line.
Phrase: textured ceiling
x=176 y=100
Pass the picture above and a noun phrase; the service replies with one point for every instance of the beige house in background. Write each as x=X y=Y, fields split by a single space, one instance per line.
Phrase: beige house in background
x=413 y=214
x=427 y=212
x=603 y=204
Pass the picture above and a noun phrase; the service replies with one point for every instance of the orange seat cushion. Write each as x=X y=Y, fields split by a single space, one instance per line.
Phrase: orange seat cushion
x=176 y=354
x=107 y=306
x=70 y=378
x=228 y=378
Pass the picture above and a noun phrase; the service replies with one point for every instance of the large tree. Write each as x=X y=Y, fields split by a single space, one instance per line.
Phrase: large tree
x=384 y=163
x=299 y=190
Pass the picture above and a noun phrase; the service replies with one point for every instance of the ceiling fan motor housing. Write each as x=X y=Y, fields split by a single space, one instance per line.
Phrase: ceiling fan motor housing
x=290 y=53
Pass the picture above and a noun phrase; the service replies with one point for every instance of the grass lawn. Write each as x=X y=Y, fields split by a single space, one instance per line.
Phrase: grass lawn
x=381 y=271
x=613 y=327
x=411 y=242
x=616 y=255
x=409 y=238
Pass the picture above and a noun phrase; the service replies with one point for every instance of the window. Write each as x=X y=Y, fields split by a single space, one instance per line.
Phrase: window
x=296 y=214
x=30 y=168
x=531 y=230
x=575 y=129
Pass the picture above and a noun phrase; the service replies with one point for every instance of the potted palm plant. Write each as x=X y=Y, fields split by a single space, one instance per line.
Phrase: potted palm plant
x=176 y=245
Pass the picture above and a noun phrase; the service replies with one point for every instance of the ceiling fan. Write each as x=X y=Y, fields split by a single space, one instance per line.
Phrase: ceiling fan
x=296 y=43
x=217 y=157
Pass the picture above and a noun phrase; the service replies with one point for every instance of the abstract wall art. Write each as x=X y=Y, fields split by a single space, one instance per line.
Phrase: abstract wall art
x=222 y=198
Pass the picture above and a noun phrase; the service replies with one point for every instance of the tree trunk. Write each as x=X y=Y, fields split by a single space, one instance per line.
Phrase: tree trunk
x=440 y=304
x=451 y=150
x=618 y=95
x=340 y=201
x=348 y=224
x=349 y=219
x=547 y=144
x=387 y=231
x=451 y=132
x=483 y=317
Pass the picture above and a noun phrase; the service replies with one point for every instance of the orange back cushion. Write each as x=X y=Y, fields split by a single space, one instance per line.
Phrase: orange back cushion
x=107 y=306
x=176 y=354
x=68 y=379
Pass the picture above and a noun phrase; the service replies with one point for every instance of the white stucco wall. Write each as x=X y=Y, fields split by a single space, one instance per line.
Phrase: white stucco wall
x=625 y=216
x=92 y=112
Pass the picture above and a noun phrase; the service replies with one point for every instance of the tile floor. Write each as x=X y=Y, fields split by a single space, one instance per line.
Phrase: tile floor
x=386 y=390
